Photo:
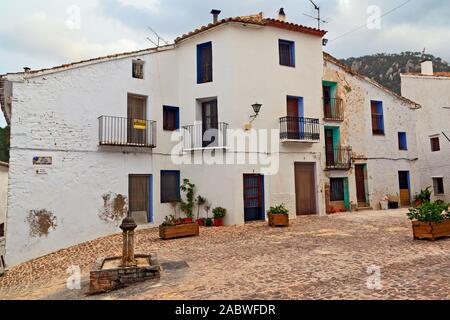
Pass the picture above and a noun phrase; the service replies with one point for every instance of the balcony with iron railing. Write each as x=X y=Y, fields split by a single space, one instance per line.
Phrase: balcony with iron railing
x=296 y=129
x=199 y=137
x=338 y=158
x=333 y=109
x=127 y=132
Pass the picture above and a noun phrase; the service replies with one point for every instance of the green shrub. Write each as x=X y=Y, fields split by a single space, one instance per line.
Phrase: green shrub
x=430 y=212
x=219 y=212
x=424 y=196
x=208 y=222
x=281 y=209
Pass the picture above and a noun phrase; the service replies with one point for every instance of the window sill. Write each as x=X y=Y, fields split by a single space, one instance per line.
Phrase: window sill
x=284 y=65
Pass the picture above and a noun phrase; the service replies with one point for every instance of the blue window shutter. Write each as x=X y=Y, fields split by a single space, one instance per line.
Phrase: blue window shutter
x=380 y=111
x=199 y=64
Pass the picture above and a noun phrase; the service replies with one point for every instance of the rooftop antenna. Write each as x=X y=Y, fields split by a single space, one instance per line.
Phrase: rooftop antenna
x=318 y=18
x=159 y=39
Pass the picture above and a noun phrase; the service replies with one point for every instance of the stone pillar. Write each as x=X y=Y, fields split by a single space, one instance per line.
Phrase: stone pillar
x=128 y=225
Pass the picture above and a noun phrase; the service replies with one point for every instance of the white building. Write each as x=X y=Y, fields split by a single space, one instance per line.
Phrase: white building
x=370 y=140
x=80 y=154
x=3 y=207
x=432 y=90
x=93 y=139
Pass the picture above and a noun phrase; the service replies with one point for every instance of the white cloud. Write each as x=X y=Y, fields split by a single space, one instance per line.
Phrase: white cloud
x=150 y=5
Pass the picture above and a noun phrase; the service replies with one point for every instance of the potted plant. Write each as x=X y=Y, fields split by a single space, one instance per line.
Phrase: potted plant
x=200 y=201
x=278 y=216
x=423 y=197
x=173 y=228
x=209 y=222
x=219 y=213
x=188 y=206
x=430 y=220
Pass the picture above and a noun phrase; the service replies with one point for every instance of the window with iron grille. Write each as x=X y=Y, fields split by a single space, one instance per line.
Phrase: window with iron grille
x=337 y=189
x=435 y=144
x=170 y=186
x=402 y=141
x=171 y=118
x=138 y=69
x=204 y=63
x=438 y=185
x=287 y=53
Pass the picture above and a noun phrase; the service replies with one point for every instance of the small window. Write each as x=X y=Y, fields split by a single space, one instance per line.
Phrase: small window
x=171 y=118
x=2 y=230
x=435 y=144
x=287 y=53
x=337 y=189
x=204 y=63
x=402 y=141
x=438 y=186
x=377 y=117
x=170 y=186
x=138 y=69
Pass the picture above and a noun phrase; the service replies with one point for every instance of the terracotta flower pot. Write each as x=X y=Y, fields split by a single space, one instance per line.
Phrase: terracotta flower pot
x=188 y=220
x=218 y=222
x=201 y=222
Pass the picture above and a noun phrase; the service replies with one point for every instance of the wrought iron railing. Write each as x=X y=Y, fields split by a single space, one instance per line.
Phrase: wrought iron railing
x=200 y=136
x=117 y=131
x=338 y=158
x=300 y=129
x=333 y=109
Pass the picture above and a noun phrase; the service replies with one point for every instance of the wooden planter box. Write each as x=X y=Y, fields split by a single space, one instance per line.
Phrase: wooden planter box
x=431 y=230
x=278 y=220
x=179 y=231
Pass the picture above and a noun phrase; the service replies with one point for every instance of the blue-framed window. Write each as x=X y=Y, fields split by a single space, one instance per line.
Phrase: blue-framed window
x=402 y=141
x=171 y=118
x=170 y=186
x=377 y=117
x=204 y=63
x=287 y=53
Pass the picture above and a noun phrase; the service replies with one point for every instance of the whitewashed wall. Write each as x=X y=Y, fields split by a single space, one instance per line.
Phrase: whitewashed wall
x=381 y=153
x=433 y=93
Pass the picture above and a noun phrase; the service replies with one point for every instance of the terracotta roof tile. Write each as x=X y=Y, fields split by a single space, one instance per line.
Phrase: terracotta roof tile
x=257 y=19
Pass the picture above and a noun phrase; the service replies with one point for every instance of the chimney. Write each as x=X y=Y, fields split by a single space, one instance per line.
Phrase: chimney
x=281 y=15
x=26 y=69
x=215 y=14
x=427 y=68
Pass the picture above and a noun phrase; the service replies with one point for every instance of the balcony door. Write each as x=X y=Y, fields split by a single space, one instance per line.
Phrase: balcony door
x=210 y=124
x=253 y=197
x=329 y=147
x=137 y=115
x=293 y=128
x=327 y=102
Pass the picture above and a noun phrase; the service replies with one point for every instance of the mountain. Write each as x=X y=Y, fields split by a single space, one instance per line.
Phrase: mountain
x=386 y=68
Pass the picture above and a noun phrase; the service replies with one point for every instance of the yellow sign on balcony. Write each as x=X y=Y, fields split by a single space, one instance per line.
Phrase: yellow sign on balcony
x=140 y=124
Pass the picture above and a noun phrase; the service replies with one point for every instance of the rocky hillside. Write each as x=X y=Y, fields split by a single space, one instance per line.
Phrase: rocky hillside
x=386 y=68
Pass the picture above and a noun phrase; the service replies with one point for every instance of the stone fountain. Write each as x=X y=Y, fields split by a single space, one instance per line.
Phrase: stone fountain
x=118 y=272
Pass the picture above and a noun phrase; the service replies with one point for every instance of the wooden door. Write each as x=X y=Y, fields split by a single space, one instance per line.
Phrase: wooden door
x=361 y=192
x=405 y=194
x=327 y=102
x=305 y=188
x=210 y=124
x=137 y=110
x=253 y=197
x=139 y=191
x=329 y=147
x=293 y=121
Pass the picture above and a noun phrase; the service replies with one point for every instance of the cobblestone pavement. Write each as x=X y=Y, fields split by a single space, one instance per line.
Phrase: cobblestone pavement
x=316 y=258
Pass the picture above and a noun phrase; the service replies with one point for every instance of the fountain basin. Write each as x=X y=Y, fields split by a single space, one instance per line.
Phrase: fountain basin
x=108 y=275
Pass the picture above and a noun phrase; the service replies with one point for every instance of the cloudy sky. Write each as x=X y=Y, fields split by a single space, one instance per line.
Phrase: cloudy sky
x=44 y=33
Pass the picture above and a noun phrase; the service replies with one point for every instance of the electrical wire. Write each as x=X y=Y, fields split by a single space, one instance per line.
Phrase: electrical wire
x=365 y=25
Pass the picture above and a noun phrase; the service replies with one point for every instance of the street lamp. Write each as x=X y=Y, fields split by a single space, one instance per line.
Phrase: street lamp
x=256 y=108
